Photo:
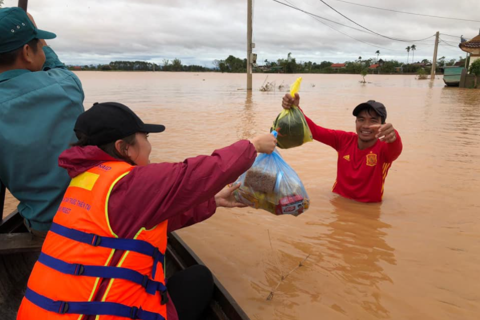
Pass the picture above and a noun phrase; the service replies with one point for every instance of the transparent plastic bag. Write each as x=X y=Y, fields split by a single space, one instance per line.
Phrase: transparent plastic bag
x=292 y=128
x=272 y=185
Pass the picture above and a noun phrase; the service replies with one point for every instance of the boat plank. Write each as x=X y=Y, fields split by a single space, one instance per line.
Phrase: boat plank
x=19 y=242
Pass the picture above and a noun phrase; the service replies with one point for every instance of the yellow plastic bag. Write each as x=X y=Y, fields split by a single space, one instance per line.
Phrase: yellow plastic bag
x=292 y=128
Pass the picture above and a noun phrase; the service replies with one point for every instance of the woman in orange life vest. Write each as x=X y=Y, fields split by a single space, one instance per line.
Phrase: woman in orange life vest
x=103 y=255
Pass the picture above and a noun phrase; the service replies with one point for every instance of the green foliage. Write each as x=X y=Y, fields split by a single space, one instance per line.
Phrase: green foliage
x=441 y=62
x=1 y=3
x=413 y=48
x=325 y=64
x=422 y=74
x=166 y=65
x=222 y=66
x=353 y=67
x=475 y=68
x=451 y=62
x=364 y=74
x=390 y=66
x=234 y=64
x=289 y=65
x=411 y=68
x=176 y=65
x=133 y=66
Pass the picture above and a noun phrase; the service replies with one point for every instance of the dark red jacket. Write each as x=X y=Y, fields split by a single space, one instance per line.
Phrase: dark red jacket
x=182 y=193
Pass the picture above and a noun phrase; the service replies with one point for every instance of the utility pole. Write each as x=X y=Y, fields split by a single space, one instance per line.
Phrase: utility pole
x=249 y=46
x=434 y=64
x=23 y=4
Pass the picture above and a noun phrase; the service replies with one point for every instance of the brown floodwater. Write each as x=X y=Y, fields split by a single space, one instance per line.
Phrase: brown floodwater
x=414 y=256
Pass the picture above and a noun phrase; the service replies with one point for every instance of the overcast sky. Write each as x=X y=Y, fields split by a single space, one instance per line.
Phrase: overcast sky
x=199 y=31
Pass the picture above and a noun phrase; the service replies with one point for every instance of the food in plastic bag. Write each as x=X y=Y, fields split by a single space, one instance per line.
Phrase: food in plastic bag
x=292 y=128
x=272 y=185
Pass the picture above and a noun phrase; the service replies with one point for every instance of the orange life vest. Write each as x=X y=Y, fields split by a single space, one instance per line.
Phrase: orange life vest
x=77 y=253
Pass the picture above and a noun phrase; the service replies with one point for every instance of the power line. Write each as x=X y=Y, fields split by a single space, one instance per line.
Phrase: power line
x=366 y=27
x=369 y=44
x=444 y=34
x=318 y=19
x=449 y=35
x=314 y=15
x=451 y=42
x=317 y=16
x=404 y=12
x=447 y=43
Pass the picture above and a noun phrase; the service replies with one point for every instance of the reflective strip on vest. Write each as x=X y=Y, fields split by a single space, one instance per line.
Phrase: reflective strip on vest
x=150 y=286
x=91 y=308
x=138 y=246
x=79 y=250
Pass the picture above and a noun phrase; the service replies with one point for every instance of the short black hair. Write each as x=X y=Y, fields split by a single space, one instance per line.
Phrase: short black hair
x=8 y=58
x=108 y=148
x=371 y=110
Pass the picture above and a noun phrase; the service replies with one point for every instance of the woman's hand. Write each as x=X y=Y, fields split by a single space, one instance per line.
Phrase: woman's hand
x=264 y=143
x=226 y=199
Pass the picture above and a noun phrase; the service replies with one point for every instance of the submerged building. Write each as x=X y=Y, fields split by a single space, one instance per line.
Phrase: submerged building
x=473 y=48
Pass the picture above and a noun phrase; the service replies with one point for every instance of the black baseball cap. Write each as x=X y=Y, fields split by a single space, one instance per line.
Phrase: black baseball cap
x=109 y=121
x=377 y=106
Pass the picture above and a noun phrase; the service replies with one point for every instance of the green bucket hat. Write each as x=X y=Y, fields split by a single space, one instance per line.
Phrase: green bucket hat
x=16 y=30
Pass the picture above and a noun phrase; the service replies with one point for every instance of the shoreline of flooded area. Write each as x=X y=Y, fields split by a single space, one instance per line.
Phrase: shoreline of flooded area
x=414 y=256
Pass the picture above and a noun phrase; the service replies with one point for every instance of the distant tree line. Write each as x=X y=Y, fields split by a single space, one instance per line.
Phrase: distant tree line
x=373 y=65
x=167 y=65
x=233 y=64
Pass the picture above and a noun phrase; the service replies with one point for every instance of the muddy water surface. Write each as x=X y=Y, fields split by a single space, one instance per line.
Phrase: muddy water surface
x=414 y=256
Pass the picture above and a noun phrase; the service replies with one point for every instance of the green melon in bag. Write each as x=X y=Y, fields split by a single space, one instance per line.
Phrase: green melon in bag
x=292 y=128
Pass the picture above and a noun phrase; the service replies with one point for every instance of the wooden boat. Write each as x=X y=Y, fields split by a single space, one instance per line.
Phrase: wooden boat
x=452 y=75
x=18 y=253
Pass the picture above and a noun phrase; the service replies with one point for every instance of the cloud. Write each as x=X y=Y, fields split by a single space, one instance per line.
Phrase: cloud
x=197 y=32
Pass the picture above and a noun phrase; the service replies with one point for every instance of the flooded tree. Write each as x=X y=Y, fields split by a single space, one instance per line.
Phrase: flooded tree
x=364 y=74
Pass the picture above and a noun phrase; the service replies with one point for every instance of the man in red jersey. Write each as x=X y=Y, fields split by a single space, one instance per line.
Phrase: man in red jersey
x=365 y=157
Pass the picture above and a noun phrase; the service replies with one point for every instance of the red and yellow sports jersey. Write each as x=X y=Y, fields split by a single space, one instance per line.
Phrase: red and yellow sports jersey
x=361 y=174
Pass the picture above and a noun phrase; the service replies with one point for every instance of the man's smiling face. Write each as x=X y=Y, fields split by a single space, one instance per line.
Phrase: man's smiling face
x=365 y=119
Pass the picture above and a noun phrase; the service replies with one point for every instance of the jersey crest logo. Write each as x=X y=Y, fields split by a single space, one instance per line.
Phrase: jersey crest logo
x=347 y=157
x=371 y=159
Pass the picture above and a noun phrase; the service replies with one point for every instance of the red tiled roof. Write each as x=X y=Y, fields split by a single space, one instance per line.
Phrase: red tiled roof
x=338 y=65
x=473 y=43
x=374 y=66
